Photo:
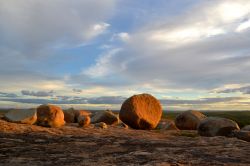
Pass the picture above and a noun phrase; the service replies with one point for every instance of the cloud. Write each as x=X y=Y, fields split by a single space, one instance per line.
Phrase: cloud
x=32 y=26
x=197 y=49
x=244 y=90
x=122 y=36
x=38 y=93
x=11 y=95
x=77 y=90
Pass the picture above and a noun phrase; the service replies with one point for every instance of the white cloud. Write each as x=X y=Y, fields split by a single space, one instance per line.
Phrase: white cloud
x=198 y=49
x=243 y=26
x=122 y=36
x=31 y=26
x=103 y=66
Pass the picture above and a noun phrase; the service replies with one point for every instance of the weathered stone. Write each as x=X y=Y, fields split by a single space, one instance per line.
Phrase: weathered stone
x=28 y=116
x=107 y=117
x=166 y=125
x=189 y=120
x=246 y=128
x=84 y=121
x=69 y=116
x=101 y=125
x=141 y=111
x=50 y=116
x=79 y=113
x=243 y=135
x=214 y=126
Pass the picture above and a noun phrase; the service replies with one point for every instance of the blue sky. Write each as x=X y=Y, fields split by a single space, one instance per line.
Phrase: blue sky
x=94 y=54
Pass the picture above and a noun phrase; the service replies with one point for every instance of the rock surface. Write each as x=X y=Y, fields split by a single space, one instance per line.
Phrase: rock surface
x=189 y=120
x=69 y=116
x=214 y=126
x=246 y=128
x=141 y=111
x=50 y=116
x=166 y=125
x=243 y=135
x=25 y=145
x=101 y=125
x=84 y=121
x=28 y=116
x=81 y=113
x=107 y=117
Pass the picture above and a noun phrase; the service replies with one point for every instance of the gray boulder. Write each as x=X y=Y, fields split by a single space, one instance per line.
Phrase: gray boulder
x=28 y=116
x=215 y=126
x=107 y=117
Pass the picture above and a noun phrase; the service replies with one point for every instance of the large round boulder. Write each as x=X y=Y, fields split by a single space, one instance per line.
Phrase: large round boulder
x=28 y=116
x=50 y=116
x=215 y=126
x=243 y=135
x=189 y=120
x=107 y=117
x=141 y=111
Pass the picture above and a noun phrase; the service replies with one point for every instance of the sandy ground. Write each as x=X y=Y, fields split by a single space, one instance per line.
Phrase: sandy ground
x=70 y=145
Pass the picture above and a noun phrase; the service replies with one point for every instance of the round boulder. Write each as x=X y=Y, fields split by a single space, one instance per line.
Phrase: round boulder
x=246 y=128
x=215 y=126
x=28 y=116
x=50 y=116
x=101 y=125
x=79 y=113
x=84 y=121
x=189 y=120
x=107 y=117
x=141 y=111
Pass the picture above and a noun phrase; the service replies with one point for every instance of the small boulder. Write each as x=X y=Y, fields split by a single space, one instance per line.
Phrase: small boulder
x=189 y=120
x=243 y=135
x=141 y=111
x=84 y=121
x=50 y=116
x=28 y=116
x=246 y=128
x=107 y=117
x=214 y=126
x=123 y=125
x=101 y=125
x=79 y=113
x=166 y=125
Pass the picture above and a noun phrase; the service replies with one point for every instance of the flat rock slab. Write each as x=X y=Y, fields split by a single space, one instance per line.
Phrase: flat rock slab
x=22 y=145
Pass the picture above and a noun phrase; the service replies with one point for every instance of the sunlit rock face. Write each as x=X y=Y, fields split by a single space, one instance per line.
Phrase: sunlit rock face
x=141 y=111
x=50 y=116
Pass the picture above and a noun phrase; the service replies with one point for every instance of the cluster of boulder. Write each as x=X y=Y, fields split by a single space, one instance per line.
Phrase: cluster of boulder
x=141 y=111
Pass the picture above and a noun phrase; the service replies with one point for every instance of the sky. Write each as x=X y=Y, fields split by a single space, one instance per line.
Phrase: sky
x=93 y=54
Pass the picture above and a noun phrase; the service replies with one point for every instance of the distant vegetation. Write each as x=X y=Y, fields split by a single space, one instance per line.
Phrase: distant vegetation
x=241 y=117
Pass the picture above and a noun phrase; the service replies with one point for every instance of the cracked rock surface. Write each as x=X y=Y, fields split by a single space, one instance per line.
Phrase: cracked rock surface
x=22 y=145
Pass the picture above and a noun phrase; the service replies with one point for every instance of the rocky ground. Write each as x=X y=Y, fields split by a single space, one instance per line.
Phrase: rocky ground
x=70 y=145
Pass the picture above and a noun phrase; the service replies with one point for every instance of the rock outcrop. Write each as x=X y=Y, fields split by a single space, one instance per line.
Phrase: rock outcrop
x=246 y=128
x=28 y=116
x=50 y=116
x=107 y=117
x=189 y=120
x=141 y=111
x=215 y=126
